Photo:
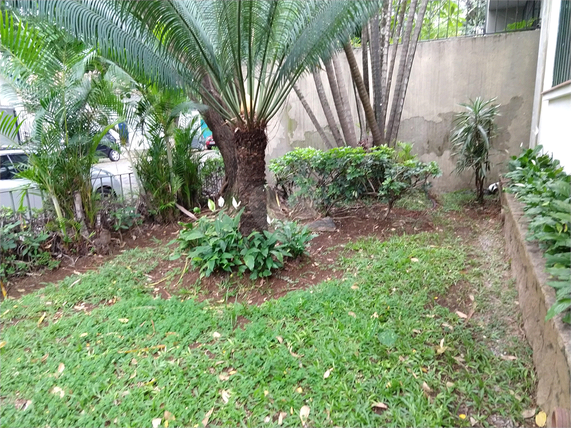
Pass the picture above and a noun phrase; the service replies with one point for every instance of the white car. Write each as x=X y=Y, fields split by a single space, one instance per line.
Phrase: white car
x=12 y=188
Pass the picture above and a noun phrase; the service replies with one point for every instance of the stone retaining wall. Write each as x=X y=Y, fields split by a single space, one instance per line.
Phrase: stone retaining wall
x=550 y=340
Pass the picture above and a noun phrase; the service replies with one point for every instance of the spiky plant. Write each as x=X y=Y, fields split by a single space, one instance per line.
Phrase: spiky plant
x=474 y=130
x=241 y=57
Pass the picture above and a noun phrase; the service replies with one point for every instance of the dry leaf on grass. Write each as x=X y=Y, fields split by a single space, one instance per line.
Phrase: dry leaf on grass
x=540 y=419
x=207 y=417
x=354 y=287
x=225 y=396
x=426 y=388
x=327 y=373
x=304 y=414
x=60 y=369
x=529 y=413
x=509 y=357
x=281 y=417
x=123 y=320
x=280 y=339
x=216 y=335
x=156 y=422
x=267 y=419
x=223 y=376
x=473 y=421
x=414 y=260
x=58 y=391
x=461 y=314
x=352 y=314
x=168 y=416
x=379 y=407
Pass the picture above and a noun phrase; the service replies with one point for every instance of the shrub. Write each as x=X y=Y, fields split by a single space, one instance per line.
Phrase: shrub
x=346 y=174
x=216 y=244
x=21 y=249
x=541 y=184
x=471 y=139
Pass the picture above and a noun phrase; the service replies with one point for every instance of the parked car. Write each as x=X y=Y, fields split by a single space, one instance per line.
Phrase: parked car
x=109 y=147
x=210 y=143
x=13 y=161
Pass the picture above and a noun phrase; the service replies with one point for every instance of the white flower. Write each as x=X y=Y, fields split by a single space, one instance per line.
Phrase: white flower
x=270 y=221
x=220 y=201
x=234 y=203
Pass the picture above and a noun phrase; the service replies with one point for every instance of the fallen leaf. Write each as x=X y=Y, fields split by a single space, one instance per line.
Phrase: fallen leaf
x=449 y=384
x=540 y=419
x=426 y=388
x=2 y=344
x=225 y=396
x=26 y=405
x=60 y=369
x=445 y=324
x=168 y=416
x=281 y=417
x=123 y=320
x=509 y=357
x=414 y=259
x=459 y=359
x=156 y=422
x=266 y=392
x=354 y=287
x=267 y=419
x=232 y=372
x=280 y=339
x=462 y=416
x=83 y=335
x=473 y=421
x=304 y=414
x=414 y=330
x=41 y=319
x=216 y=335
x=441 y=348
x=327 y=373
x=471 y=296
x=293 y=354
x=207 y=417
x=58 y=391
x=380 y=406
x=375 y=315
x=133 y=375
x=529 y=413
x=134 y=362
x=299 y=390
x=223 y=376
x=352 y=314
x=461 y=314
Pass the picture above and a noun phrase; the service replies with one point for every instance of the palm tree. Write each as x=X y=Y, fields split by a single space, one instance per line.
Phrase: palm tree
x=251 y=52
x=60 y=80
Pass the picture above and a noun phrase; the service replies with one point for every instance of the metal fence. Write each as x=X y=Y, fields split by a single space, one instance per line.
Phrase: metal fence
x=562 y=65
x=463 y=18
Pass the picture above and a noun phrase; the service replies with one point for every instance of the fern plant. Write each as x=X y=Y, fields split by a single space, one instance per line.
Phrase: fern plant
x=472 y=137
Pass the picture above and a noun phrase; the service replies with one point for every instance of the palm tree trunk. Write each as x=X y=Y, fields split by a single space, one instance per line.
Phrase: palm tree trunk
x=376 y=64
x=251 y=178
x=327 y=109
x=365 y=57
x=385 y=45
x=224 y=137
x=312 y=117
x=341 y=105
x=408 y=68
x=352 y=140
x=356 y=75
x=395 y=34
x=400 y=72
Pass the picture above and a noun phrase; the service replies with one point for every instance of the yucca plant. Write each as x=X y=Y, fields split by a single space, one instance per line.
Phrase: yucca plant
x=474 y=130
x=240 y=57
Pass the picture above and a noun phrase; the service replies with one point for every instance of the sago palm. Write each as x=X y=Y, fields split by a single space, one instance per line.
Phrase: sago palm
x=472 y=137
x=242 y=58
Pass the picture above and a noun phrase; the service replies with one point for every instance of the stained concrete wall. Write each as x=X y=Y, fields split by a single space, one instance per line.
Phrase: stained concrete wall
x=444 y=74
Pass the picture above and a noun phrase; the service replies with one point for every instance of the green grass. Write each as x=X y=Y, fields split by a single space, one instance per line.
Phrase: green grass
x=378 y=329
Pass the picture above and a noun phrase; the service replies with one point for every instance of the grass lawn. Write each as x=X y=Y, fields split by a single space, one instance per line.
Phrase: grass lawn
x=377 y=347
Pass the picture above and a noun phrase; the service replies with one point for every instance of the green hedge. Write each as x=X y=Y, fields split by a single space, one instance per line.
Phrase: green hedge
x=346 y=174
x=541 y=184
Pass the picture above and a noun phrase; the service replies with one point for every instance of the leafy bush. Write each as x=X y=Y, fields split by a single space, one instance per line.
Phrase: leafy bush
x=471 y=139
x=541 y=184
x=124 y=218
x=346 y=174
x=217 y=244
x=21 y=249
x=293 y=238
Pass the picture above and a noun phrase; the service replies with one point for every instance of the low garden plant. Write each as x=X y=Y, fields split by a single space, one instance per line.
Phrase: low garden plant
x=540 y=183
x=216 y=244
x=347 y=174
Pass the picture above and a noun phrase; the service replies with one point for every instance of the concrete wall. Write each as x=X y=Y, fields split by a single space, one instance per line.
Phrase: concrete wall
x=444 y=74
